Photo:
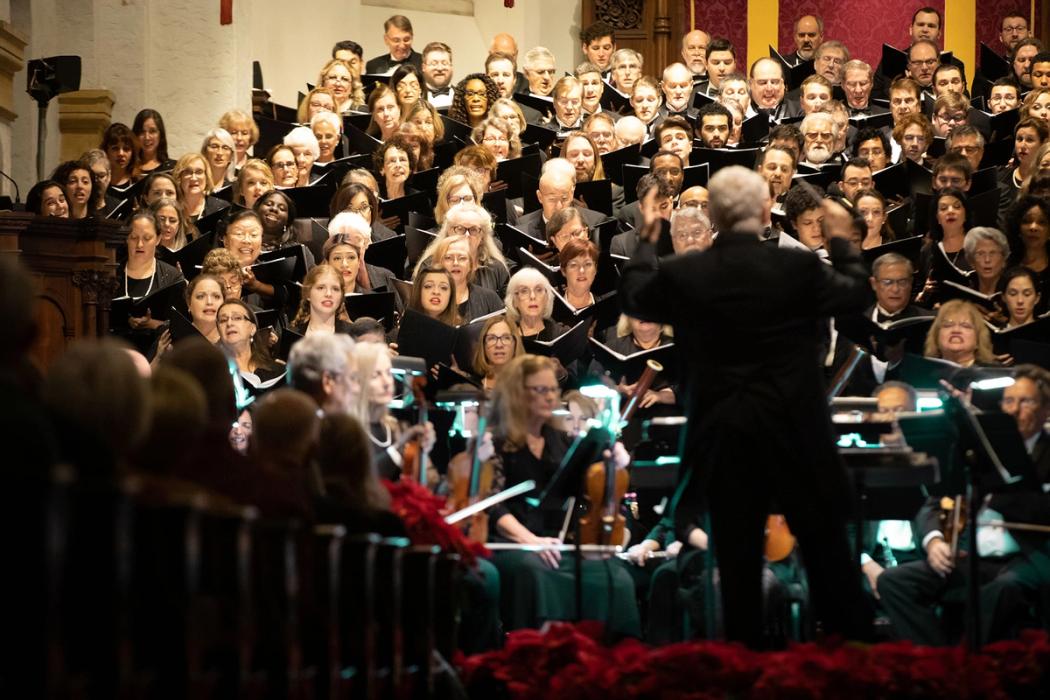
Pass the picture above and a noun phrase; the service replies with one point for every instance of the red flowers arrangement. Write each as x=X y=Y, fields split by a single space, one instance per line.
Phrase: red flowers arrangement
x=568 y=662
x=420 y=511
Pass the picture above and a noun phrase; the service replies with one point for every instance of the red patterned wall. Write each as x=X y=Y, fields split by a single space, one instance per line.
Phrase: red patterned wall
x=727 y=18
x=989 y=14
x=862 y=26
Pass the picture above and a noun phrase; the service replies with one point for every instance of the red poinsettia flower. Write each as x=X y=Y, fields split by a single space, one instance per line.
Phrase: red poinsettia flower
x=420 y=511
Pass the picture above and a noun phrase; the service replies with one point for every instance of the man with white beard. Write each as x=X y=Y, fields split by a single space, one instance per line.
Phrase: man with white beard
x=820 y=133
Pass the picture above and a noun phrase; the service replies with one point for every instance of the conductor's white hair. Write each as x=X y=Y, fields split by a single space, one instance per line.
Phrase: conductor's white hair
x=737 y=200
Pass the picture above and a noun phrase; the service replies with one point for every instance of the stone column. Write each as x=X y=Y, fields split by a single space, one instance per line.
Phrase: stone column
x=82 y=117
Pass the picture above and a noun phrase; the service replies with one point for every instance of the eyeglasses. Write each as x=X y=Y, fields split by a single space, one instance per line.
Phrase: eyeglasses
x=232 y=318
x=246 y=235
x=505 y=339
x=284 y=164
x=583 y=232
x=456 y=259
x=832 y=60
x=469 y=231
x=928 y=63
x=453 y=199
x=526 y=292
x=495 y=139
x=317 y=104
x=1012 y=401
x=901 y=283
x=579 y=267
x=362 y=210
x=859 y=182
x=693 y=234
x=474 y=93
x=958 y=118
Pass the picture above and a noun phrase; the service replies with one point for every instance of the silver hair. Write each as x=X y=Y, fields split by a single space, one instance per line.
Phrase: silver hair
x=737 y=199
x=527 y=275
x=689 y=215
x=984 y=233
x=535 y=54
x=349 y=222
x=316 y=354
x=303 y=137
x=891 y=259
x=331 y=117
x=813 y=116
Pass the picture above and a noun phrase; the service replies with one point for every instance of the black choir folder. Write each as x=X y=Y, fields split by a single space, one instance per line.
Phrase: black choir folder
x=630 y=367
x=873 y=336
x=605 y=311
x=953 y=290
x=435 y=341
x=377 y=305
x=567 y=347
x=157 y=305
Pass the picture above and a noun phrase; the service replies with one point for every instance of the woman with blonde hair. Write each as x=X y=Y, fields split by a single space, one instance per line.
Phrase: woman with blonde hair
x=345 y=85
x=192 y=173
x=242 y=128
x=472 y=221
x=960 y=335
x=498 y=136
x=253 y=181
x=320 y=99
x=458 y=184
x=321 y=307
x=454 y=254
x=508 y=109
x=427 y=119
x=538 y=586
x=387 y=436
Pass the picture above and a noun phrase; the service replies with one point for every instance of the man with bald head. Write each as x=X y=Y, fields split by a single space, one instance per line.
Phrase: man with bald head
x=677 y=86
x=809 y=33
x=505 y=43
x=766 y=85
x=694 y=52
x=555 y=192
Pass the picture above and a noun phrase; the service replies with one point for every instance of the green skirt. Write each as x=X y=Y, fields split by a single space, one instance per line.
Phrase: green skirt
x=531 y=593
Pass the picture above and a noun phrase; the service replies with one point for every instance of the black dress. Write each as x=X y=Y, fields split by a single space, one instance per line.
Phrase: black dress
x=480 y=302
x=531 y=592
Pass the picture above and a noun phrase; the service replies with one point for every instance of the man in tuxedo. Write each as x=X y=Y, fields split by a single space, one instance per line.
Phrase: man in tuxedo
x=694 y=49
x=677 y=86
x=598 y=42
x=746 y=318
x=506 y=44
x=554 y=193
x=857 y=83
x=437 y=74
x=397 y=35
x=1014 y=566
x=809 y=33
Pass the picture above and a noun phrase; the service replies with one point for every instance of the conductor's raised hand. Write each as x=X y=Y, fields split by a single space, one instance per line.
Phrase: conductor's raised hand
x=838 y=223
x=651 y=219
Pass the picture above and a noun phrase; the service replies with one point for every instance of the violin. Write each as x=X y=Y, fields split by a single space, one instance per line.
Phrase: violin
x=953 y=516
x=470 y=478
x=602 y=521
x=414 y=459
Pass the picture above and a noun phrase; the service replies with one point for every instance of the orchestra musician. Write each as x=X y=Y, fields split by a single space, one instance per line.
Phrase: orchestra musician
x=537 y=586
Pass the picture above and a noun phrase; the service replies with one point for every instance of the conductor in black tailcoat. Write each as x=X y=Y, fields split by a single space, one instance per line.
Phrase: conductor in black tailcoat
x=746 y=318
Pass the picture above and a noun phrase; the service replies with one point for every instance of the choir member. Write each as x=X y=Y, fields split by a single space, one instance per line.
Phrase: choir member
x=960 y=335
x=47 y=198
x=320 y=99
x=987 y=251
x=1029 y=235
x=529 y=303
x=153 y=142
x=578 y=260
x=240 y=338
x=75 y=177
x=121 y=147
x=1021 y=295
x=219 y=149
x=870 y=205
x=328 y=130
x=456 y=185
x=395 y=162
x=500 y=342
x=433 y=294
x=498 y=136
x=243 y=130
x=386 y=114
x=475 y=224
x=142 y=274
x=174 y=228
x=338 y=77
x=306 y=149
x=253 y=181
x=204 y=296
x=361 y=198
x=321 y=310
x=193 y=175
x=407 y=83
x=453 y=252
x=646 y=99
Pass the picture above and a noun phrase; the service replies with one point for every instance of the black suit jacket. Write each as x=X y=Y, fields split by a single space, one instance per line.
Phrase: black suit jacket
x=384 y=64
x=746 y=318
x=1032 y=506
x=532 y=223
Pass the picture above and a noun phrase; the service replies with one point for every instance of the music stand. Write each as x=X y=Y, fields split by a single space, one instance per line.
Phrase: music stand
x=568 y=481
x=990 y=442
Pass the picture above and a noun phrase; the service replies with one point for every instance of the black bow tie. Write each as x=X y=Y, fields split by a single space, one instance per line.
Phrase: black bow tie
x=883 y=318
x=440 y=91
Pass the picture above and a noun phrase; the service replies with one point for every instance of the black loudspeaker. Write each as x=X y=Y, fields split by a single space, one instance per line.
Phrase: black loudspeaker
x=48 y=77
